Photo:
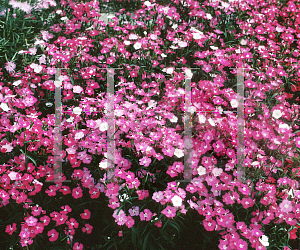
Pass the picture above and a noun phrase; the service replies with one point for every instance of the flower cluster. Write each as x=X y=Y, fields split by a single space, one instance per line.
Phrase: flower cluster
x=148 y=120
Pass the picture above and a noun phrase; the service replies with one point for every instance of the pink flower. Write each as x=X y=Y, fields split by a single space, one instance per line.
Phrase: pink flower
x=78 y=246
x=86 y=215
x=169 y=211
x=77 y=192
x=120 y=218
x=87 y=229
x=219 y=146
x=142 y=194
x=146 y=215
x=169 y=151
x=129 y=222
x=53 y=235
x=207 y=68
x=241 y=245
x=286 y=206
x=172 y=172
x=11 y=228
x=209 y=224
x=31 y=221
x=145 y=161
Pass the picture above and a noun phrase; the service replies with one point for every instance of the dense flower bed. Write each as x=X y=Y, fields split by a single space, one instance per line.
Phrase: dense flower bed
x=156 y=45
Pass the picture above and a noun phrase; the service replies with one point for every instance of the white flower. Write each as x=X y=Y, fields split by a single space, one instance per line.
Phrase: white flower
x=153 y=37
x=151 y=103
x=64 y=18
x=177 y=201
x=202 y=118
x=188 y=73
x=178 y=152
x=77 y=111
x=255 y=163
x=111 y=16
x=174 y=119
x=234 y=103
x=214 y=48
x=174 y=26
x=277 y=113
x=127 y=42
x=197 y=36
x=103 y=164
x=77 y=89
x=145 y=33
x=243 y=42
x=182 y=44
x=4 y=106
x=169 y=70
x=49 y=104
x=209 y=16
x=16 y=83
x=201 y=170
x=36 y=67
x=284 y=126
x=57 y=84
x=225 y=5
x=147 y=3
x=211 y=122
x=264 y=240
x=132 y=36
x=163 y=55
x=181 y=91
x=137 y=45
x=103 y=126
x=291 y=193
x=123 y=197
x=71 y=119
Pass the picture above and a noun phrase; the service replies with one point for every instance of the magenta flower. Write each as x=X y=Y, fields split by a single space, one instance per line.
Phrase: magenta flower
x=207 y=68
x=53 y=235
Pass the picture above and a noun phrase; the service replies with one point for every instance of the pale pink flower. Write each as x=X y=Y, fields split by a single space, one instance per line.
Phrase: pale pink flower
x=286 y=206
x=10 y=66
x=145 y=161
x=31 y=221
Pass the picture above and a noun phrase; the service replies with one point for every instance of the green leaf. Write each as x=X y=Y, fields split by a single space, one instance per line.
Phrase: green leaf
x=28 y=156
x=146 y=239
